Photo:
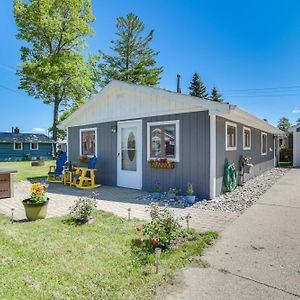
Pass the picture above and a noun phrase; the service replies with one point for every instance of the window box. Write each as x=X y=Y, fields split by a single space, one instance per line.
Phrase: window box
x=161 y=164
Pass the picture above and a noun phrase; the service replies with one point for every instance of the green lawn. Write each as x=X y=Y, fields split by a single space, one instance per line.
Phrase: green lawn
x=25 y=170
x=55 y=259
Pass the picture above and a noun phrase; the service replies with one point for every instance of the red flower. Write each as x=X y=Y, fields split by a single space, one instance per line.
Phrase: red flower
x=140 y=239
x=154 y=241
x=139 y=229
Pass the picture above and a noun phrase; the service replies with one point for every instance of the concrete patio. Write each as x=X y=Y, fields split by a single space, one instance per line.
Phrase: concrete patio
x=111 y=199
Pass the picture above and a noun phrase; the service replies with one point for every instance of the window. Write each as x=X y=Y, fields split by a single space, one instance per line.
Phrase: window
x=18 y=146
x=246 y=138
x=231 y=136
x=88 y=144
x=34 y=146
x=264 y=143
x=163 y=140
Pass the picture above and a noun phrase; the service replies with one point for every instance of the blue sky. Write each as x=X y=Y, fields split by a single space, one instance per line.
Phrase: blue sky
x=249 y=49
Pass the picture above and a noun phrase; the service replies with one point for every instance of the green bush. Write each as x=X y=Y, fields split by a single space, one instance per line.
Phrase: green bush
x=83 y=209
x=283 y=153
x=160 y=231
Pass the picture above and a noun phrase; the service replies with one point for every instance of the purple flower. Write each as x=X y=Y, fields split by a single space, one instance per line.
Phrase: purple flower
x=45 y=184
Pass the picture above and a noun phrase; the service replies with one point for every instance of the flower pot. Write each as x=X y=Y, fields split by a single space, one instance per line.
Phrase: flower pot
x=171 y=196
x=156 y=195
x=190 y=199
x=35 y=211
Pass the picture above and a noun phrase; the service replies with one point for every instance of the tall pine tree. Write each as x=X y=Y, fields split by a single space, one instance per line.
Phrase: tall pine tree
x=197 y=88
x=216 y=95
x=134 y=59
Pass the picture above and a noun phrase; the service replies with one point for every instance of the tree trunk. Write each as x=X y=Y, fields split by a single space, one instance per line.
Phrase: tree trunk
x=55 y=120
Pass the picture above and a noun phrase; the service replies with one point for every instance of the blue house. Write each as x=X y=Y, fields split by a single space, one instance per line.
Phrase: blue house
x=15 y=145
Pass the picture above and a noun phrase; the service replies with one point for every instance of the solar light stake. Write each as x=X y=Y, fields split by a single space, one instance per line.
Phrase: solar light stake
x=187 y=218
x=129 y=210
x=12 y=215
x=157 y=261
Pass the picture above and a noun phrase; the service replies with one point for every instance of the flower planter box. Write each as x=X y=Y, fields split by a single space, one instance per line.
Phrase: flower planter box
x=84 y=159
x=161 y=164
x=37 y=163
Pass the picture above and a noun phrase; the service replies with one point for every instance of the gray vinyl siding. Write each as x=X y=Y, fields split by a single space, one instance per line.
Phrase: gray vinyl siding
x=107 y=151
x=194 y=154
x=261 y=162
x=193 y=165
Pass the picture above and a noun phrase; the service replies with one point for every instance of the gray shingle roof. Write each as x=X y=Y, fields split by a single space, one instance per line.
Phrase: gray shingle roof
x=8 y=137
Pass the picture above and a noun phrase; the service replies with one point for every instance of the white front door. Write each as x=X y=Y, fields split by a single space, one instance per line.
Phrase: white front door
x=130 y=154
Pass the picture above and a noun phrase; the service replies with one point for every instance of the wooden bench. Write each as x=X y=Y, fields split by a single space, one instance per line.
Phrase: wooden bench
x=6 y=183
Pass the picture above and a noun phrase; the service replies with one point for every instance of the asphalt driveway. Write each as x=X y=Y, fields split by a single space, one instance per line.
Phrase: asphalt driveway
x=256 y=257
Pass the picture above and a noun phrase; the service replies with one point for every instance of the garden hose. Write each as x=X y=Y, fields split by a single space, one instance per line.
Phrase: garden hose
x=230 y=177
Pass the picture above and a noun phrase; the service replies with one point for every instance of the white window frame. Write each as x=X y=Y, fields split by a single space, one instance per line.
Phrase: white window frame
x=261 y=143
x=16 y=148
x=37 y=146
x=244 y=146
x=96 y=140
x=177 y=139
x=226 y=126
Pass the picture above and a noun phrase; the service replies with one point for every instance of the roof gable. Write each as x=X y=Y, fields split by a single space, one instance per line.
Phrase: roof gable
x=121 y=101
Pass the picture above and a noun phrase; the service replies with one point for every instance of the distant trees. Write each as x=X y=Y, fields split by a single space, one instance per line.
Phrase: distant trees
x=134 y=60
x=216 y=95
x=284 y=124
x=298 y=121
x=197 y=88
x=54 y=68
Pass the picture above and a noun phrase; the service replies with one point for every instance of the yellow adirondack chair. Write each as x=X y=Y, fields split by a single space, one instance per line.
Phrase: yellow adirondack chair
x=84 y=178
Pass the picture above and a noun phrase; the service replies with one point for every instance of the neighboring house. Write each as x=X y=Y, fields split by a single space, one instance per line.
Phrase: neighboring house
x=295 y=130
x=125 y=125
x=24 y=146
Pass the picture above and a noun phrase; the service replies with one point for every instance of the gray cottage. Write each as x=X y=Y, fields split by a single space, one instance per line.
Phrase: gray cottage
x=128 y=125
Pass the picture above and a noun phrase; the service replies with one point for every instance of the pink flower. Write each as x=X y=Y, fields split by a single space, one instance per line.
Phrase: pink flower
x=154 y=241
x=139 y=229
x=140 y=239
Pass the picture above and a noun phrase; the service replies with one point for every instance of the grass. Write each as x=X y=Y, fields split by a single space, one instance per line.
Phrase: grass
x=26 y=171
x=285 y=164
x=55 y=259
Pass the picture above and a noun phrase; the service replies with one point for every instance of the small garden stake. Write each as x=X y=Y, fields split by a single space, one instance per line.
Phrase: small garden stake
x=157 y=261
x=12 y=215
x=187 y=218
x=129 y=210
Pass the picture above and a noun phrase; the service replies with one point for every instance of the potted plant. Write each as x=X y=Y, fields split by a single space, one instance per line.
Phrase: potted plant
x=190 y=197
x=36 y=206
x=172 y=193
x=156 y=193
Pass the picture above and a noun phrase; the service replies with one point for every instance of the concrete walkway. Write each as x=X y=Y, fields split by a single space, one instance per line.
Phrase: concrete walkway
x=111 y=199
x=256 y=257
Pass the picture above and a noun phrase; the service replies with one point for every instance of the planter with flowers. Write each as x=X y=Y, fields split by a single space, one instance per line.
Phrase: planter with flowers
x=161 y=163
x=36 y=206
x=190 y=197
x=156 y=193
x=172 y=192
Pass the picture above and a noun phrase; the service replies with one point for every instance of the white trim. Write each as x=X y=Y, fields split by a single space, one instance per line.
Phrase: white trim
x=96 y=139
x=232 y=125
x=213 y=154
x=244 y=147
x=177 y=138
x=20 y=148
x=139 y=152
x=37 y=146
x=261 y=143
x=67 y=138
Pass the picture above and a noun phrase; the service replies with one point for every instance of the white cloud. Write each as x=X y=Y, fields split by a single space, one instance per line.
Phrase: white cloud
x=296 y=110
x=40 y=130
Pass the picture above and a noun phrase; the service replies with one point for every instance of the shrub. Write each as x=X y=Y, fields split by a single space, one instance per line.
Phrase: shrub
x=283 y=153
x=160 y=231
x=83 y=209
x=190 y=189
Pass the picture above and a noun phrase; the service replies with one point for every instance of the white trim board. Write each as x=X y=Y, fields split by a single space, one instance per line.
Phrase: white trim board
x=213 y=156
x=250 y=140
x=177 y=138
x=261 y=143
x=236 y=133
x=20 y=148
x=96 y=139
